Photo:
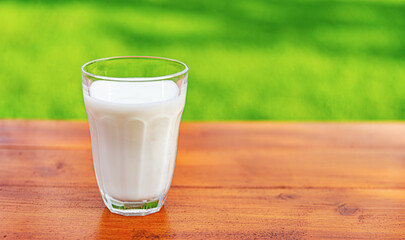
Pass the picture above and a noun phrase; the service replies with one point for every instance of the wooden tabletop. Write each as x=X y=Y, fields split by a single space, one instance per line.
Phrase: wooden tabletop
x=239 y=180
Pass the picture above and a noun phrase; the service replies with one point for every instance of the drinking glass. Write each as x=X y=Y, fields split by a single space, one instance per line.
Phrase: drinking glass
x=134 y=106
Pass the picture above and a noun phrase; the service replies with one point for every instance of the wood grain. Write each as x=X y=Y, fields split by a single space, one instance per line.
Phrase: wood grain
x=232 y=181
x=44 y=134
x=198 y=213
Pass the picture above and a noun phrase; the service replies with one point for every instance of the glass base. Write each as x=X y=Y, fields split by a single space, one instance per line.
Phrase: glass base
x=135 y=208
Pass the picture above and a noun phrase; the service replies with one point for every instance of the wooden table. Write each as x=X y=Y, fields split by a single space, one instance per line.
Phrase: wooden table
x=241 y=180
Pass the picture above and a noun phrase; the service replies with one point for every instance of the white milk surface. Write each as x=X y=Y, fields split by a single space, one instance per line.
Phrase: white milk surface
x=134 y=128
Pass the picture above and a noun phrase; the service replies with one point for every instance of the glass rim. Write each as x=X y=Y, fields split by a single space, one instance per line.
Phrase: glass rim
x=185 y=70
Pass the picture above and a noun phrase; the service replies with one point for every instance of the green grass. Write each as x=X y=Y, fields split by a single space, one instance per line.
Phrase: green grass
x=253 y=59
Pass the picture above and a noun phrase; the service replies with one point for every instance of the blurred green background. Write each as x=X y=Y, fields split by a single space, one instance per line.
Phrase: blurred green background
x=249 y=60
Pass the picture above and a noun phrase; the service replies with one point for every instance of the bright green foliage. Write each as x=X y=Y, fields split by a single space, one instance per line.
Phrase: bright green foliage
x=251 y=59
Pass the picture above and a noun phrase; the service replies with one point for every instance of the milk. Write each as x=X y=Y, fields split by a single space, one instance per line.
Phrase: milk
x=134 y=128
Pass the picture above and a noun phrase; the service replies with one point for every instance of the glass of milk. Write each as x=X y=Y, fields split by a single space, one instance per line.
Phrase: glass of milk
x=134 y=106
